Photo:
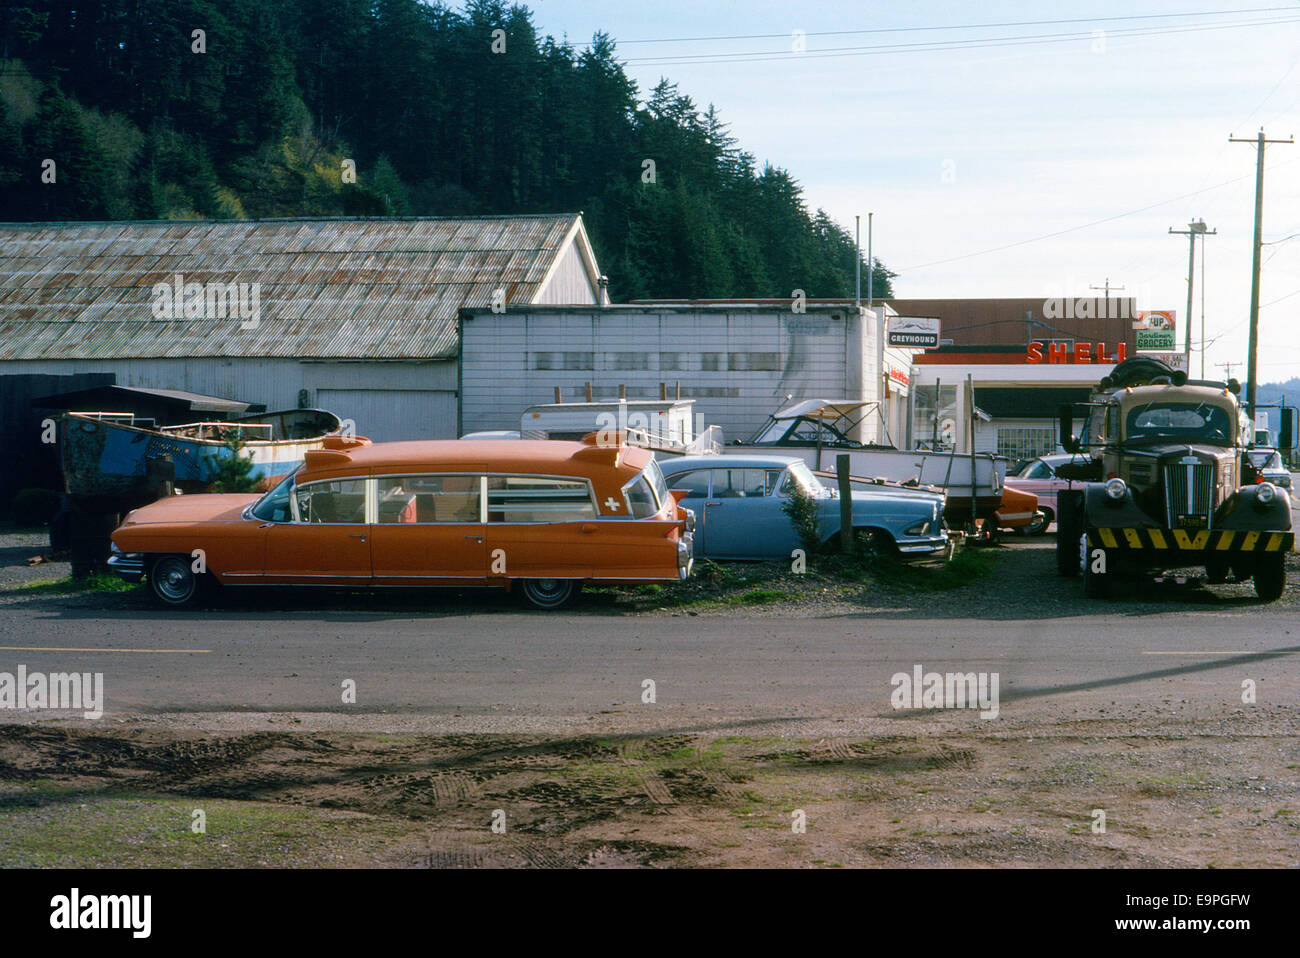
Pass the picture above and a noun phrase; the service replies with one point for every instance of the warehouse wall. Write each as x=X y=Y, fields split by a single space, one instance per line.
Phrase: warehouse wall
x=387 y=400
x=737 y=363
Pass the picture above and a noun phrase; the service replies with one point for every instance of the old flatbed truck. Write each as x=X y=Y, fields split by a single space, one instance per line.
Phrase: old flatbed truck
x=1160 y=485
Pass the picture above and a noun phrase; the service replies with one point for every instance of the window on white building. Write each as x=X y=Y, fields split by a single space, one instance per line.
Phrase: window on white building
x=1026 y=442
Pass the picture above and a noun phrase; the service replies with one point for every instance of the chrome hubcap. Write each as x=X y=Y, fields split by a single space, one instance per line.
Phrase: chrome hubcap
x=173 y=579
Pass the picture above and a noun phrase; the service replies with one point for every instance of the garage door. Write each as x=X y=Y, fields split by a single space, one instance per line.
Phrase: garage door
x=386 y=415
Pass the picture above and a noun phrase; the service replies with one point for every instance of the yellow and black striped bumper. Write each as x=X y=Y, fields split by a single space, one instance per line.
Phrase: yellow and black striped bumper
x=1189 y=540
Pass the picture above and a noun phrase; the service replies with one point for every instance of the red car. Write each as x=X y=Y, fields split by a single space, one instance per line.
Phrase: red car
x=1039 y=477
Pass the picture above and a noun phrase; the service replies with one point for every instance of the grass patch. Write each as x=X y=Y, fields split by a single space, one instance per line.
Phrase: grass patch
x=96 y=582
x=151 y=832
x=968 y=566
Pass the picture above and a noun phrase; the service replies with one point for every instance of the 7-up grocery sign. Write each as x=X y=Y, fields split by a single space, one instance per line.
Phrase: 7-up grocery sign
x=1156 y=329
x=1161 y=339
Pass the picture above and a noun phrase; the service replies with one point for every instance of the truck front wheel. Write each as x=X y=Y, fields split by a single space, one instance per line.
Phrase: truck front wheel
x=1216 y=571
x=1270 y=576
x=1069 y=526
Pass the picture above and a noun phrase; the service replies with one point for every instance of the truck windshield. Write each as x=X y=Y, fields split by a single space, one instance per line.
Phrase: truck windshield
x=1185 y=422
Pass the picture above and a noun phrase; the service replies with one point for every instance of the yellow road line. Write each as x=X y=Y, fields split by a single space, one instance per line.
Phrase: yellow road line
x=48 y=648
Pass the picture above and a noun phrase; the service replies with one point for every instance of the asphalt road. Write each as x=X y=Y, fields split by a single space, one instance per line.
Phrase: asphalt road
x=552 y=672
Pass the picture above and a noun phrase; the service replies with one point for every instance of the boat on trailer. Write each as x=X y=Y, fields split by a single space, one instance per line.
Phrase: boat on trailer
x=819 y=430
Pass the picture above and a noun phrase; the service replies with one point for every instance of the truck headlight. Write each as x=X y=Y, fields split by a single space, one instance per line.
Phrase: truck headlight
x=1266 y=493
x=1116 y=488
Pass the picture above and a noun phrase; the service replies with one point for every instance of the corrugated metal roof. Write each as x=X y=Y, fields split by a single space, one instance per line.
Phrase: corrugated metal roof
x=328 y=288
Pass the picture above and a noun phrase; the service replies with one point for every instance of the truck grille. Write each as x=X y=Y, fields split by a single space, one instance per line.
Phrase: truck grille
x=1189 y=495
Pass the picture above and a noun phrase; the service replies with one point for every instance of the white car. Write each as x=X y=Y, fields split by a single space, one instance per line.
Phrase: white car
x=1268 y=466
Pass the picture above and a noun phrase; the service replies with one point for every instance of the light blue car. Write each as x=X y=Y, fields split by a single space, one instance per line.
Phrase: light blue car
x=738 y=500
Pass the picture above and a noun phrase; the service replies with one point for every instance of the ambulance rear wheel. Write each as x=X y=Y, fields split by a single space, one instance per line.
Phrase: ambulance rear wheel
x=549 y=593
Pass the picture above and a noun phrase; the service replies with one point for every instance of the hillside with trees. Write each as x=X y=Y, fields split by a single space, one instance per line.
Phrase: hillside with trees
x=268 y=110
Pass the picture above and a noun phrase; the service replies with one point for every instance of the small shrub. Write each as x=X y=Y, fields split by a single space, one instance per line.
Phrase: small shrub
x=806 y=516
x=233 y=472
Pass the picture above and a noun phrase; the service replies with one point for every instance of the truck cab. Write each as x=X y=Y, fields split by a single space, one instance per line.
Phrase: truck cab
x=1164 y=486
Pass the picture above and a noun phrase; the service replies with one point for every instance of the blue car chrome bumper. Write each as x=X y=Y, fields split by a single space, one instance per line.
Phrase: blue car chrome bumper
x=924 y=545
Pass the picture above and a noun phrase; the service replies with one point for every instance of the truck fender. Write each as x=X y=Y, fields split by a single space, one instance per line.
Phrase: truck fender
x=1245 y=512
x=1103 y=512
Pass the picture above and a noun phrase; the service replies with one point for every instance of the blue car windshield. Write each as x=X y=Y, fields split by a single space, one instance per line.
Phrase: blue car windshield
x=801 y=475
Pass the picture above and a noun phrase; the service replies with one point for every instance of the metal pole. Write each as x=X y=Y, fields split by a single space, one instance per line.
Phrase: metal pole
x=871 y=265
x=857 y=262
x=1191 y=274
x=1259 y=141
x=1189 y=318
x=1194 y=228
x=970 y=403
x=1254 y=275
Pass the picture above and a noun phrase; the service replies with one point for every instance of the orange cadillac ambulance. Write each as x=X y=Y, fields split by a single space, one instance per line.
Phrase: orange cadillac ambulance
x=539 y=516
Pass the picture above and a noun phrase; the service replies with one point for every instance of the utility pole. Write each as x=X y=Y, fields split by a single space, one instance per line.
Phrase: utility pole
x=857 y=261
x=1227 y=370
x=871 y=265
x=1194 y=228
x=1260 y=141
x=1106 y=287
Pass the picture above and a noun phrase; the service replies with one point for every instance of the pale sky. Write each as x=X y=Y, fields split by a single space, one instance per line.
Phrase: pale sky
x=958 y=151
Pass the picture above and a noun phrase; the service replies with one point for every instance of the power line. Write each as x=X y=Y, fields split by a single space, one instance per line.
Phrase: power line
x=1294 y=292
x=1070 y=229
x=935 y=46
x=962 y=26
x=1082 y=226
